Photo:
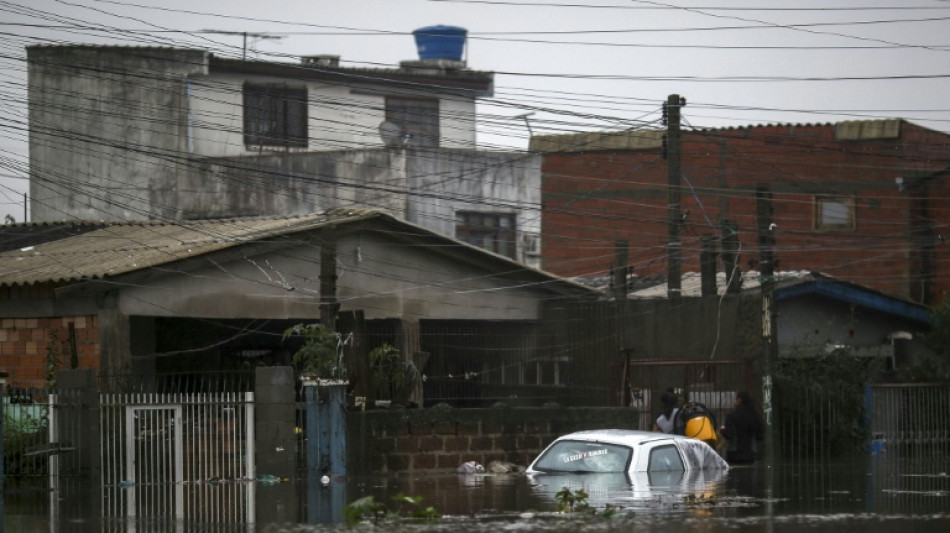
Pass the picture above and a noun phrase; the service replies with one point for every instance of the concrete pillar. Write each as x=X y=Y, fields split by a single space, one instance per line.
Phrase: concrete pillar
x=409 y=342
x=114 y=343
x=274 y=405
x=274 y=422
x=78 y=423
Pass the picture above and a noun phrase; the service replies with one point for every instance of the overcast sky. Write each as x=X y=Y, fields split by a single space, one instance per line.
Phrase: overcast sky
x=574 y=64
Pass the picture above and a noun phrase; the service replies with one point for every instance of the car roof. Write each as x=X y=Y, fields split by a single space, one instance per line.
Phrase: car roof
x=627 y=437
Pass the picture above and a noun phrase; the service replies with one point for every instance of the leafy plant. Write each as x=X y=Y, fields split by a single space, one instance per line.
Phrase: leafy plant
x=363 y=508
x=394 y=376
x=321 y=354
x=406 y=507
x=53 y=359
x=411 y=507
x=572 y=501
x=822 y=396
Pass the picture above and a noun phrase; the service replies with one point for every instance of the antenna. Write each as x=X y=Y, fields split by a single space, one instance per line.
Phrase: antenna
x=245 y=35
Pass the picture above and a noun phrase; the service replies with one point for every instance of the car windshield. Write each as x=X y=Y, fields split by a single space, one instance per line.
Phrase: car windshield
x=581 y=456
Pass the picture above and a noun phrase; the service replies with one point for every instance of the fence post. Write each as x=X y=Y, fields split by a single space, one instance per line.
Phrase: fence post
x=274 y=414
x=326 y=449
x=78 y=423
x=274 y=421
x=3 y=472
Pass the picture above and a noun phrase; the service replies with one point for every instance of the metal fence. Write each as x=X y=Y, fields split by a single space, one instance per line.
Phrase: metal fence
x=811 y=423
x=476 y=364
x=179 y=382
x=909 y=418
x=25 y=433
x=712 y=383
x=188 y=456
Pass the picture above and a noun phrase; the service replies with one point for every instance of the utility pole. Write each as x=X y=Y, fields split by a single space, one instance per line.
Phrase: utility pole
x=671 y=113
x=766 y=238
x=329 y=306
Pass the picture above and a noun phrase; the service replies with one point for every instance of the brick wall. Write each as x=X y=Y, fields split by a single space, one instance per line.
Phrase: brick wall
x=29 y=345
x=592 y=199
x=439 y=440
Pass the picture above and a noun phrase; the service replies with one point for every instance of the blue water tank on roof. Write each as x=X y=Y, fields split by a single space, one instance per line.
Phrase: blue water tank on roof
x=440 y=42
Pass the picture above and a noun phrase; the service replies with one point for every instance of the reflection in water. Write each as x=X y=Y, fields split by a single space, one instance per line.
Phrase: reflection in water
x=876 y=495
x=639 y=489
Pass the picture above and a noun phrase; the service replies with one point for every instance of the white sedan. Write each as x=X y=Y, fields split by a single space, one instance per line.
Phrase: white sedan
x=626 y=451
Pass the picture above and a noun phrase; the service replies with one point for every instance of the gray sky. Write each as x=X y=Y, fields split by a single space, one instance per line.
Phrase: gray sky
x=574 y=64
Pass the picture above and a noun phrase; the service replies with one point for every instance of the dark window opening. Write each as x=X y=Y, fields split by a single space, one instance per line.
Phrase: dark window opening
x=417 y=119
x=492 y=231
x=275 y=115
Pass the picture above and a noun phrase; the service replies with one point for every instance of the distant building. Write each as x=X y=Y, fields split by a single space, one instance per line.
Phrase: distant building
x=864 y=201
x=152 y=133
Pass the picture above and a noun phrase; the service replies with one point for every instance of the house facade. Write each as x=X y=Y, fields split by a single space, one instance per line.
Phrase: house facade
x=138 y=133
x=139 y=299
x=862 y=201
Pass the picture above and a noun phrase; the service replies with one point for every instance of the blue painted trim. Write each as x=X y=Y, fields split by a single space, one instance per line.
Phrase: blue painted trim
x=856 y=295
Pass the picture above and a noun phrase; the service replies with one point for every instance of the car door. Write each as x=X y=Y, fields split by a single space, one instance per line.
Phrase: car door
x=662 y=456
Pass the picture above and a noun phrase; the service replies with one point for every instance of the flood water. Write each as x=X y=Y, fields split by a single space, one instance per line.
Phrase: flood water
x=869 y=495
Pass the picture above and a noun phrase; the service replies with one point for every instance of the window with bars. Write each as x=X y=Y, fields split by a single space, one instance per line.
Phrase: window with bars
x=417 y=118
x=492 y=231
x=834 y=213
x=275 y=115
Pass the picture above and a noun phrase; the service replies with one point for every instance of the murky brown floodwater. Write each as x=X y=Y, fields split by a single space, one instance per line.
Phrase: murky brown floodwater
x=869 y=496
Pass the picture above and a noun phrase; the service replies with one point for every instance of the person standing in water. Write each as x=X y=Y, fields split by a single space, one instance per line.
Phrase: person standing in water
x=743 y=429
x=666 y=421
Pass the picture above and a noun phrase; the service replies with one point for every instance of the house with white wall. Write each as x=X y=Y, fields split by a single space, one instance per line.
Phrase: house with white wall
x=155 y=133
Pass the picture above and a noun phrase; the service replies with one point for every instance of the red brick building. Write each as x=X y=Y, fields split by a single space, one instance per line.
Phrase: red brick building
x=865 y=201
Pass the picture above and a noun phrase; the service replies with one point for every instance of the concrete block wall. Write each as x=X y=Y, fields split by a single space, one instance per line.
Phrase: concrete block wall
x=439 y=440
x=28 y=345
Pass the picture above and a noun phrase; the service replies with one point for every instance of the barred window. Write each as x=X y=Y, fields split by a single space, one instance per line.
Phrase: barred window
x=417 y=118
x=492 y=231
x=275 y=115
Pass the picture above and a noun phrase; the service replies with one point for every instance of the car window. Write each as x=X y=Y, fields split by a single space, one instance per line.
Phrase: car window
x=664 y=458
x=580 y=456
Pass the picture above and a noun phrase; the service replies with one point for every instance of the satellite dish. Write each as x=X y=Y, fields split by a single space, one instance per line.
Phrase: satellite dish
x=392 y=134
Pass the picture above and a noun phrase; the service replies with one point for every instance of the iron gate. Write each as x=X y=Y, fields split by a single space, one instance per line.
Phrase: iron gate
x=187 y=456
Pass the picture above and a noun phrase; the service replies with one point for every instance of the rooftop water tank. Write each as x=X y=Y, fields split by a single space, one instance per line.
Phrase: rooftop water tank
x=440 y=42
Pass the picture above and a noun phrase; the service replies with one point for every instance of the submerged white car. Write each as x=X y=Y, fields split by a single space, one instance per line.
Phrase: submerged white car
x=625 y=451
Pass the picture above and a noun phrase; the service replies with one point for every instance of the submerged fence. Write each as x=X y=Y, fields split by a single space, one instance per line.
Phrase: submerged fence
x=911 y=418
x=25 y=431
x=184 y=455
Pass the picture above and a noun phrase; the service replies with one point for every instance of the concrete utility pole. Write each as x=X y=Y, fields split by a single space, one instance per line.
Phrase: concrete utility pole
x=766 y=238
x=329 y=306
x=671 y=112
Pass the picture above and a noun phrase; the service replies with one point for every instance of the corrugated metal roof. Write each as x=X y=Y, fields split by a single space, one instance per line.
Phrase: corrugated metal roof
x=129 y=246
x=126 y=247
x=794 y=283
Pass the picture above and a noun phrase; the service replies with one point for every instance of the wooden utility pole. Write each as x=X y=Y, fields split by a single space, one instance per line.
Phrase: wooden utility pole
x=673 y=155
